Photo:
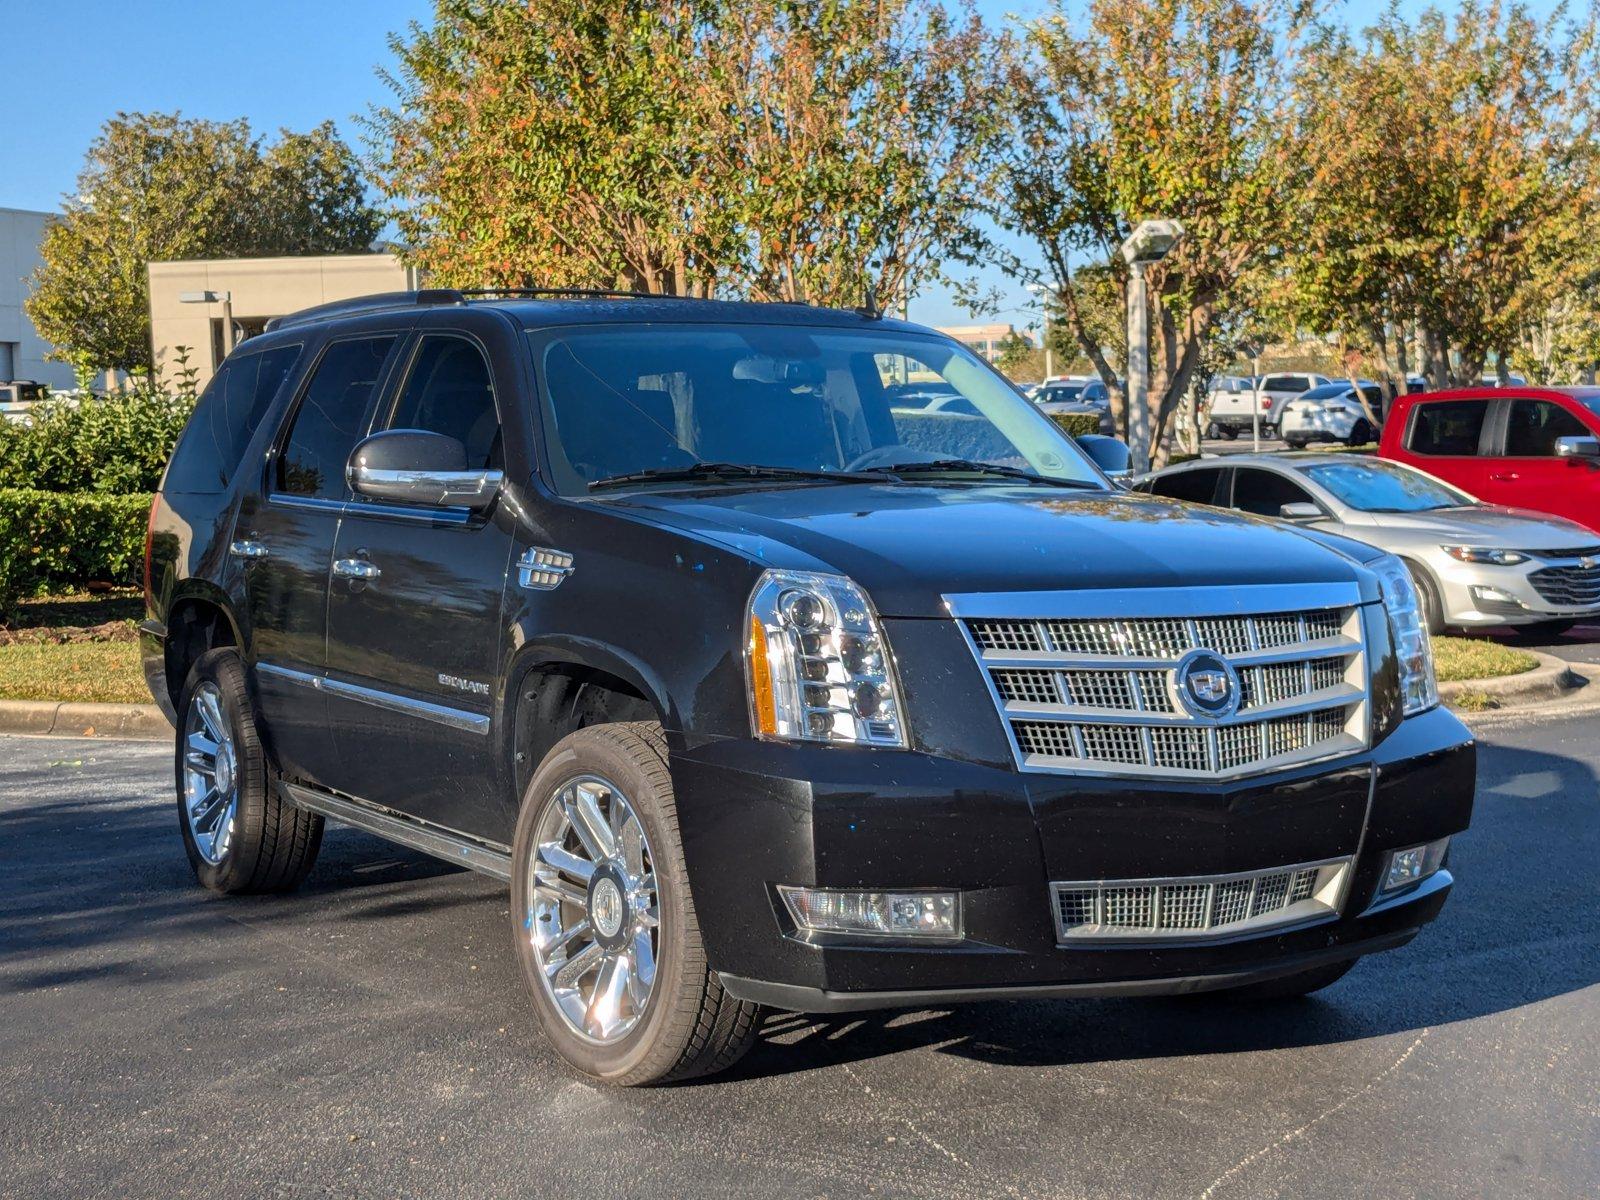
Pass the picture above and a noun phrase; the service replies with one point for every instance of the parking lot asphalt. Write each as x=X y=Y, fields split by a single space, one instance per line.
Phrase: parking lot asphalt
x=369 y=1036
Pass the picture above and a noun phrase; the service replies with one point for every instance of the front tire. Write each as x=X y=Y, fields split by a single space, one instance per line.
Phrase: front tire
x=603 y=920
x=240 y=837
x=1360 y=434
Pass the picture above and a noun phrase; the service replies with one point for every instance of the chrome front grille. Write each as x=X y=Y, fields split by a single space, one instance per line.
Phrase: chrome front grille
x=1574 y=586
x=1198 y=906
x=1083 y=694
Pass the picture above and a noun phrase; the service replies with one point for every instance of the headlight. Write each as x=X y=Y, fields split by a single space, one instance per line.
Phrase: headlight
x=1485 y=554
x=1411 y=645
x=818 y=664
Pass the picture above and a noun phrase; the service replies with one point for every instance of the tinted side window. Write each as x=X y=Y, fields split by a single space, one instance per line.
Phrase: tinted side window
x=1197 y=487
x=329 y=421
x=1448 y=427
x=1534 y=426
x=448 y=391
x=1264 y=492
x=226 y=418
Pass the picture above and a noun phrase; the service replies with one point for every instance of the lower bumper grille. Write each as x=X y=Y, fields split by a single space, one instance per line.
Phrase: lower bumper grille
x=1568 y=586
x=1198 y=906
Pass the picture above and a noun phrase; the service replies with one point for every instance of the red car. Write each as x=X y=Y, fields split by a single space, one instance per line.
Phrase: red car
x=1524 y=447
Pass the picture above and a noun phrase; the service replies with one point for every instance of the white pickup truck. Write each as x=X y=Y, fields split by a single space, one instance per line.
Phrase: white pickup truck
x=1233 y=408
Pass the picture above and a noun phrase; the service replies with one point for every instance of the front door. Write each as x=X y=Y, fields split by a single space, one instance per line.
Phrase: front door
x=1450 y=439
x=414 y=615
x=283 y=540
x=1532 y=476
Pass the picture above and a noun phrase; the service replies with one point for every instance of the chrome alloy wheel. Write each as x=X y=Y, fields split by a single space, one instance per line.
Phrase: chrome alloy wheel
x=210 y=774
x=592 y=917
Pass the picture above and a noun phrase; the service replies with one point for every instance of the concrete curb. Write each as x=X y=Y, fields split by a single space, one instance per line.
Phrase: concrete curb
x=63 y=718
x=1552 y=679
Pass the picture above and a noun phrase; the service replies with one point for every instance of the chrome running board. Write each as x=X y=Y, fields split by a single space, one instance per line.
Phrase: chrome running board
x=454 y=847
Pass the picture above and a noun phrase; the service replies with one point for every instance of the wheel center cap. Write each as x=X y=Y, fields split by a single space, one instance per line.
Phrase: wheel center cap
x=224 y=771
x=606 y=907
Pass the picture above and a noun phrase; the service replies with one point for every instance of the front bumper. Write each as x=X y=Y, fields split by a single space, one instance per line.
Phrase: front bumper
x=1482 y=595
x=756 y=815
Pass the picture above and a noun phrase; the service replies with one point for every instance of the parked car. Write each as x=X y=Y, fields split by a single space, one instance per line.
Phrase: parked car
x=1089 y=396
x=1331 y=412
x=1233 y=412
x=1474 y=564
x=18 y=397
x=759 y=691
x=1534 y=448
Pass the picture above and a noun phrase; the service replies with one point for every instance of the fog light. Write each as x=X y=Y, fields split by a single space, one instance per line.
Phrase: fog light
x=1493 y=596
x=1414 y=864
x=880 y=914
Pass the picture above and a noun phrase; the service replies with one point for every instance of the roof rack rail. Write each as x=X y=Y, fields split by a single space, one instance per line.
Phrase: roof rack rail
x=379 y=302
x=598 y=293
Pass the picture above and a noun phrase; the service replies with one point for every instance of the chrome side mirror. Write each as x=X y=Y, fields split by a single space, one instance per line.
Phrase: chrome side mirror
x=414 y=466
x=1300 y=510
x=1578 y=447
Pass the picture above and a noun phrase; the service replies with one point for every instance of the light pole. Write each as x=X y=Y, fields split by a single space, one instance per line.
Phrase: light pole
x=1045 y=294
x=226 y=300
x=1149 y=243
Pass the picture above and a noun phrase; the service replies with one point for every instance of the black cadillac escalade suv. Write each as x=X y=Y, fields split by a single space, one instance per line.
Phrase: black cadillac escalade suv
x=761 y=685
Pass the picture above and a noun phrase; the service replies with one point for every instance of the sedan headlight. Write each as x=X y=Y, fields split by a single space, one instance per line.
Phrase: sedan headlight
x=819 y=668
x=1485 y=554
x=1415 y=653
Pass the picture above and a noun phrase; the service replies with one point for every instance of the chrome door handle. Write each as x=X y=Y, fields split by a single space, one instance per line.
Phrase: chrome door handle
x=356 y=568
x=247 y=549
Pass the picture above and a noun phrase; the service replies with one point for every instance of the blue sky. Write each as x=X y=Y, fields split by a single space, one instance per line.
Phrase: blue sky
x=290 y=63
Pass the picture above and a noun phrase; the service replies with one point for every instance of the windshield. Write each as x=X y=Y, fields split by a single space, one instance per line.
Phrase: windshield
x=1374 y=486
x=622 y=399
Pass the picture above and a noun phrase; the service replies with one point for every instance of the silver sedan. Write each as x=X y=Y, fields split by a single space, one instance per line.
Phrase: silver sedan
x=1475 y=564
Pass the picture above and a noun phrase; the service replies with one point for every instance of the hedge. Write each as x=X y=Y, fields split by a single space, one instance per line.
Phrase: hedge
x=52 y=541
x=1077 y=424
x=116 y=444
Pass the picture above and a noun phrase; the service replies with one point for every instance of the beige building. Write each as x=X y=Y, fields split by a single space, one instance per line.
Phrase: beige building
x=256 y=290
x=987 y=340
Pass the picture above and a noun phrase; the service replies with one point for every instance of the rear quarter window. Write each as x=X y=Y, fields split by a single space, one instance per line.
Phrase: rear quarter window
x=225 y=418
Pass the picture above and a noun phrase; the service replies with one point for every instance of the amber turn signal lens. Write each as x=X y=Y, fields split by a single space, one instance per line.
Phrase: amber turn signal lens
x=761 y=680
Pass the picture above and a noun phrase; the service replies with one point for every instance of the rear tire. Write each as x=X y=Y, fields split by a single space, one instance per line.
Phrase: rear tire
x=1288 y=987
x=239 y=835
x=1360 y=434
x=660 y=1015
x=1294 y=444
x=1228 y=432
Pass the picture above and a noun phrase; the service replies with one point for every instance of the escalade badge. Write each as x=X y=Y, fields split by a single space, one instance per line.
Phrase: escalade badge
x=1206 y=685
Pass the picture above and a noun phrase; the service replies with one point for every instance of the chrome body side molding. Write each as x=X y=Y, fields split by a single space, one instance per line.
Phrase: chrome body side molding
x=488 y=858
x=455 y=718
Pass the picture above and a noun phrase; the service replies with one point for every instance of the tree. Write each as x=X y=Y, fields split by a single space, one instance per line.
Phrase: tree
x=703 y=147
x=1151 y=108
x=156 y=186
x=1449 y=184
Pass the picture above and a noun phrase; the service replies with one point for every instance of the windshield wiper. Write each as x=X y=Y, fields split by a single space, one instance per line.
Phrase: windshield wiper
x=951 y=465
x=713 y=471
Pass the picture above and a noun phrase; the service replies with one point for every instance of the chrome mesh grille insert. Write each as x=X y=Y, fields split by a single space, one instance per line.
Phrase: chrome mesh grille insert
x=1204 y=906
x=1100 y=695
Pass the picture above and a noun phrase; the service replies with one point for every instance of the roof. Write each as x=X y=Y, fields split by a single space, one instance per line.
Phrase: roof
x=1503 y=393
x=588 y=308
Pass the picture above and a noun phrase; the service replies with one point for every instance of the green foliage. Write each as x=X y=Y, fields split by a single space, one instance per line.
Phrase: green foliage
x=1077 y=424
x=55 y=541
x=763 y=147
x=157 y=186
x=110 y=444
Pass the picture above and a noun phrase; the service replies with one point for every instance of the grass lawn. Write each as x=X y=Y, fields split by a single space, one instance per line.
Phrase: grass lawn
x=1456 y=658
x=79 y=647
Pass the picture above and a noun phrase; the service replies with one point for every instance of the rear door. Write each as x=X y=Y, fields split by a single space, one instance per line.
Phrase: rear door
x=1529 y=475
x=413 y=647
x=283 y=539
x=1451 y=439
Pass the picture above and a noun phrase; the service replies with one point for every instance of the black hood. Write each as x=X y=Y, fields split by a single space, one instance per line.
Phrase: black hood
x=910 y=545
